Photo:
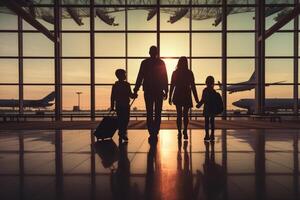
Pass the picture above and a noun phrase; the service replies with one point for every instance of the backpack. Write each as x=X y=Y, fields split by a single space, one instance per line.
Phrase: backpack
x=219 y=107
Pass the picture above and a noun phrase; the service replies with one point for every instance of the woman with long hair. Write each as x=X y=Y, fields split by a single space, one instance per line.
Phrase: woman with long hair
x=182 y=86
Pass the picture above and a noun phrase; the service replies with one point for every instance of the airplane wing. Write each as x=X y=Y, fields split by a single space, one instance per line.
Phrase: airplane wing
x=275 y=83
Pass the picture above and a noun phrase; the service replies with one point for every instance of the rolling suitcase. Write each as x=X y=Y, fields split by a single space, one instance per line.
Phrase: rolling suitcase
x=108 y=126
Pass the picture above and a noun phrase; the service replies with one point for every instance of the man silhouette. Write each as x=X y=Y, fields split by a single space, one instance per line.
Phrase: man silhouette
x=153 y=76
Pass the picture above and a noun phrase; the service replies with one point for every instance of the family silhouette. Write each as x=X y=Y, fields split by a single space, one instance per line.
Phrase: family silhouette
x=153 y=77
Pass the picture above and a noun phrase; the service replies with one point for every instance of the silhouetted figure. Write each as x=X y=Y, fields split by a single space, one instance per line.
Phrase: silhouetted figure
x=214 y=177
x=120 y=180
x=153 y=76
x=209 y=100
x=185 y=176
x=152 y=182
x=182 y=83
x=120 y=98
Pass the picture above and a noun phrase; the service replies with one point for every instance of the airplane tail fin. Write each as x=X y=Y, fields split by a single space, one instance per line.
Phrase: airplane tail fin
x=49 y=97
x=220 y=85
x=252 y=78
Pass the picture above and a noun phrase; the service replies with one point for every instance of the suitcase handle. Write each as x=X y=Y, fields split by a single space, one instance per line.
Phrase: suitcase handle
x=113 y=112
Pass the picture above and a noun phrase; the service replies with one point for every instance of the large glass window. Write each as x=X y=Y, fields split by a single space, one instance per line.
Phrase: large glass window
x=122 y=37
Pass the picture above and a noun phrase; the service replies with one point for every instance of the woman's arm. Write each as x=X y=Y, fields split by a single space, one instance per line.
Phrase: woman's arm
x=193 y=87
x=201 y=102
x=172 y=88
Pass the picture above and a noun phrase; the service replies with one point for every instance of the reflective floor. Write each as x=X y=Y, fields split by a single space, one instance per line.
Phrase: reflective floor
x=68 y=164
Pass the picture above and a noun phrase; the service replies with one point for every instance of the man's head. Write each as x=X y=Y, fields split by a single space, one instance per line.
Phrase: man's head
x=153 y=51
x=120 y=74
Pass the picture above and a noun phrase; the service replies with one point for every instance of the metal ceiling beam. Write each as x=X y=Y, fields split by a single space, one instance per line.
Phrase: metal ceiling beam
x=16 y=8
x=285 y=20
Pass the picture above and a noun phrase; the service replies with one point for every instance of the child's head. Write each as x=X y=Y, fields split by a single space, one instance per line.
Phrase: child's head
x=210 y=81
x=120 y=74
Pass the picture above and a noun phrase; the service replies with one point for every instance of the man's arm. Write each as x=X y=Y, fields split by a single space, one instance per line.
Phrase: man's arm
x=139 y=79
x=165 y=79
x=112 y=98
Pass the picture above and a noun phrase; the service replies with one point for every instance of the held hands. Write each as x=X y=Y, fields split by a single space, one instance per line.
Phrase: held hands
x=165 y=95
x=170 y=101
x=112 y=108
x=135 y=95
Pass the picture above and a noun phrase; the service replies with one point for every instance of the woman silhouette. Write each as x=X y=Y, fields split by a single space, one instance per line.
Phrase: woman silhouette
x=182 y=83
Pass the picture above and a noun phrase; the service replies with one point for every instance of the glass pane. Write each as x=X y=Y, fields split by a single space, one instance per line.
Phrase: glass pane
x=110 y=18
x=8 y=44
x=275 y=14
x=174 y=44
x=110 y=44
x=144 y=41
x=37 y=44
x=9 y=71
x=242 y=20
x=279 y=70
x=8 y=21
x=38 y=93
x=70 y=98
x=9 y=92
x=174 y=19
x=204 y=18
x=44 y=15
x=206 y=44
x=38 y=71
x=76 y=18
x=75 y=44
x=133 y=69
x=76 y=71
x=206 y=67
x=245 y=107
x=142 y=19
x=105 y=70
x=240 y=70
x=240 y=44
x=280 y=44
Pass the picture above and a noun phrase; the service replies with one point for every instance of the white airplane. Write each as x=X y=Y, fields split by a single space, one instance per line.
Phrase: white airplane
x=105 y=13
x=272 y=104
x=244 y=86
x=35 y=103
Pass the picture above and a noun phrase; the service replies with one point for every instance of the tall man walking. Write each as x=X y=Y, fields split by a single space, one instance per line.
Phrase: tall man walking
x=153 y=76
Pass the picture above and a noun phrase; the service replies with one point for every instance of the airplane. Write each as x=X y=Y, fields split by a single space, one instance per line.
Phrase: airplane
x=38 y=103
x=104 y=13
x=272 y=104
x=247 y=85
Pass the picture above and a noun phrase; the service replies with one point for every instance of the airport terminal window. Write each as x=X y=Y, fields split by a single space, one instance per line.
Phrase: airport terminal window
x=37 y=45
x=9 y=71
x=38 y=71
x=76 y=69
x=118 y=29
x=10 y=42
x=285 y=48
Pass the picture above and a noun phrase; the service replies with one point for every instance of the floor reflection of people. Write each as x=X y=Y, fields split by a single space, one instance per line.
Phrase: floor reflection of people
x=214 y=177
x=152 y=177
x=185 y=176
x=120 y=179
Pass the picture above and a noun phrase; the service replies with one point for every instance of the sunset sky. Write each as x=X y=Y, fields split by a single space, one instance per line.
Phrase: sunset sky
x=172 y=45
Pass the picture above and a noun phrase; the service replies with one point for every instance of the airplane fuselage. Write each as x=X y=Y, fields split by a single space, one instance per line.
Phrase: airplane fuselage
x=273 y=104
x=26 y=103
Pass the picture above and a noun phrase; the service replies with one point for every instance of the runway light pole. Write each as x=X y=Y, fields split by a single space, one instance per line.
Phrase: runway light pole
x=78 y=93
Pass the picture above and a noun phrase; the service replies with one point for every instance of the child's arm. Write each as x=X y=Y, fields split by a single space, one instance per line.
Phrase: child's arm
x=131 y=94
x=193 y=87
x=112 y=98
x=201 y=102
x=171 y=89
